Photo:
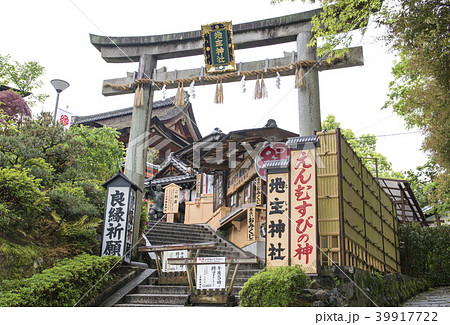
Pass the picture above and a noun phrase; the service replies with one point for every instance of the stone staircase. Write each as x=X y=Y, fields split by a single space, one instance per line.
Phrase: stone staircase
x=150 y=293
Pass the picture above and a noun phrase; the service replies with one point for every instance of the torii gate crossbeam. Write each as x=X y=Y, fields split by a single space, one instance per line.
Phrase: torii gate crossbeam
x=247 y=35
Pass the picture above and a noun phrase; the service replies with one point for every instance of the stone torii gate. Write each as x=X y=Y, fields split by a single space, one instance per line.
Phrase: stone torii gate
x=147 y=50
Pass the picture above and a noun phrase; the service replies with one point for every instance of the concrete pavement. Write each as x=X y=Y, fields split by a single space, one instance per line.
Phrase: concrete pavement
x=437 y=297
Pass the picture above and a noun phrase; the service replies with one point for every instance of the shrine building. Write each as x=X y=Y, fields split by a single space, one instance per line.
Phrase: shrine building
x=356 y=217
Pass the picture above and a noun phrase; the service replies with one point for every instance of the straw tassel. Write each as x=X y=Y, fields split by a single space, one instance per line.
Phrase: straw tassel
x=136 y=93
x=299 y=77
x=257 y=94
x=264 y=92
x=179 y=97
x=139 y=97
x=218 y=98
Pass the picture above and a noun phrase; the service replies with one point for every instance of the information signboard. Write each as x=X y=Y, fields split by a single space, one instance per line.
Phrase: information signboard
x=211 y=276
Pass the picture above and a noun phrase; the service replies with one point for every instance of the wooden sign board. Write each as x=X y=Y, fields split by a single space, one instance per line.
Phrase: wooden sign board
x=218 y=47
x=218 y=191
x=171 y=198
x=303 y=210
x=198 y=185
x=251 y=224
x=277 y=232
x=258 y=192
x=240 y=175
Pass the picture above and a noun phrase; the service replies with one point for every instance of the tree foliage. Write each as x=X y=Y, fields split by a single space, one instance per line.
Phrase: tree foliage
x=25 y=77
x=65 y=168
x=336 y=21
x=425 y=252
x=68 y=283
x=431 y=186
x=419 y=32
x=102 y=156
x=420 y=92
x=274 y=287
x=22 y=201
x=13 y=106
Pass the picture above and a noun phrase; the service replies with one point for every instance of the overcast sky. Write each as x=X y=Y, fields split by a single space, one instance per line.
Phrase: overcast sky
x=56 y=34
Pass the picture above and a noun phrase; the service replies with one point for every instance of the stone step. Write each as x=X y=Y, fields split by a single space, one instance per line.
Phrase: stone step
x=178 y=226
x=163 y=232
x=179 y=238
x=162 y=289
x=156 y=299
x=239 y=282
x=150 y=293
x=144 y=305
x=174 y=232
x=219 y=251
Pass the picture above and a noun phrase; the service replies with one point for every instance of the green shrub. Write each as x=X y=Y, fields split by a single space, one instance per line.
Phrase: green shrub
x=18 y=261
x=40 y=169
x=70 y=202
x=21 y=201
x=274 y=287
x=425 y=252
x=63 y=285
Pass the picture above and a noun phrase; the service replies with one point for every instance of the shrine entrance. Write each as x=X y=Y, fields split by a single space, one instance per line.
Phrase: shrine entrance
x=147 y=50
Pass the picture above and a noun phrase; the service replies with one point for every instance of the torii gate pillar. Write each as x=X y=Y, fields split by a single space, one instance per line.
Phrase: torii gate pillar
x=135 y=164
x=308 y=95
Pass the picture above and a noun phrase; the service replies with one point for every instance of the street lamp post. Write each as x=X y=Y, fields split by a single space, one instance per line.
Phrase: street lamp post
x=59 y=85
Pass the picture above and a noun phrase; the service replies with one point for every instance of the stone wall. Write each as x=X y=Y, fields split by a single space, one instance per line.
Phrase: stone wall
x=349 y=286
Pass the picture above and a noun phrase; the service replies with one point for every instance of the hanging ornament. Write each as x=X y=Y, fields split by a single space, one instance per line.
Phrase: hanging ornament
x=139 y=97
x=192 y=89
x=257 y=94
x=278 y=80
x=299 y=77
x=244 y=89
x=218 y=98
x=179 y=97
x=163 y=91
x=264 y=92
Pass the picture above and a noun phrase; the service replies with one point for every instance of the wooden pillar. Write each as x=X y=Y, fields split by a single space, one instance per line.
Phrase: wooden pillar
x=308 y=95
x=341 y=198
x=137 y=144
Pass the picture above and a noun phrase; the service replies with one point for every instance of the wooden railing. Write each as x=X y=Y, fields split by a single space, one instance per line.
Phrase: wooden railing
x=174 y=277
x=212 y=296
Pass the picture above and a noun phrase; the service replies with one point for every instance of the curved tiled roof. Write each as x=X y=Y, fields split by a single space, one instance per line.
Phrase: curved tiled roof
x=120 y=112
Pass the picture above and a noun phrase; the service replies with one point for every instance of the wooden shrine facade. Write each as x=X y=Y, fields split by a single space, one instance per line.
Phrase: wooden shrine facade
x=357 y=223
x=237 y=195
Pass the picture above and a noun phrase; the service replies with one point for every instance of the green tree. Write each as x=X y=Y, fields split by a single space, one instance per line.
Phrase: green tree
x=25 y=77
x=334 y=25
x=102 y=155
x=431 y=186
x=21 y=202
x=419 y=32
x=13 y=106
x=70 y=165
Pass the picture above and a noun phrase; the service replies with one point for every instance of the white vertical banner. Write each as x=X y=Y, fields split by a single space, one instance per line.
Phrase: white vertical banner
x=211 y=276
x=65 y=117
x=207 y=184
x=115 y=222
